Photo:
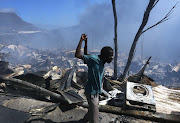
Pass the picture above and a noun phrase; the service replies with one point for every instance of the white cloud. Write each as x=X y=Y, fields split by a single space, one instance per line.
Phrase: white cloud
x=7 y=10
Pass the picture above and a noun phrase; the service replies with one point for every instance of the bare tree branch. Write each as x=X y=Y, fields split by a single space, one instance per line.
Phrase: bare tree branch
x=155 y=4
x=138 y=34
x=152 y=3
x=162 y=20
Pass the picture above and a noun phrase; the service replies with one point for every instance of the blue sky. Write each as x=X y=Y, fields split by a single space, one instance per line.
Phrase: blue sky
x=65 y=12
x=56 y=12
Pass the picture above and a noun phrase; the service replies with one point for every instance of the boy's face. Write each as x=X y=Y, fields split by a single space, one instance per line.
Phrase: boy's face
x=108 y=57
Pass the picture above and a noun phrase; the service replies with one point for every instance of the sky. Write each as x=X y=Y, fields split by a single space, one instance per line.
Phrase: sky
x=95 y=17
x=48 y=12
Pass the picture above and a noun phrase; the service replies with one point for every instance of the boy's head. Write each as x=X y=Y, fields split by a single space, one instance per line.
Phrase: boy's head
x=107 y=54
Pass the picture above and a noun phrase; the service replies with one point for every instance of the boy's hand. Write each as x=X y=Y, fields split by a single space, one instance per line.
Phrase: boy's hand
x=84 y=37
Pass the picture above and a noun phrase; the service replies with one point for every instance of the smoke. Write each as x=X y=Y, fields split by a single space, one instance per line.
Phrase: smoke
x=98 y=22
x=162 y=40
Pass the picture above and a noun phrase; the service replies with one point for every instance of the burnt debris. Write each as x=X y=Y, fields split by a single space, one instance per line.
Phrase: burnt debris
x=56 y=77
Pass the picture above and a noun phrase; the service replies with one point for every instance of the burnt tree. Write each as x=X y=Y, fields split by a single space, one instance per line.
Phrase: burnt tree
x=151 y=5
x=115 y=39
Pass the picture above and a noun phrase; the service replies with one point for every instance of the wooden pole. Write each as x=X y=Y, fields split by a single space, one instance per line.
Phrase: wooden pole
x=115 y=39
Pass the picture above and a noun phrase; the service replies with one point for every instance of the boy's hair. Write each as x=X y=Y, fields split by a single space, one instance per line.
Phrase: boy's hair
x=106 y=50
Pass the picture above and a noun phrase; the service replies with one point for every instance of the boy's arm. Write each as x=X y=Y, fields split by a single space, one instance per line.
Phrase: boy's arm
x=78 y=49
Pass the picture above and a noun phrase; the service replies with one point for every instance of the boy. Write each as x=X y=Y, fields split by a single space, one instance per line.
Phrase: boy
x=95 y=74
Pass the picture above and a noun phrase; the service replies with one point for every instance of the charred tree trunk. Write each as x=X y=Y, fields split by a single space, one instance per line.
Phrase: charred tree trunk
x=115 y=39
x=144 y=22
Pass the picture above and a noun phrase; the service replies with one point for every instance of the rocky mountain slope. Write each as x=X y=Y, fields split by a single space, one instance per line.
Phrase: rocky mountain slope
x=12 y=22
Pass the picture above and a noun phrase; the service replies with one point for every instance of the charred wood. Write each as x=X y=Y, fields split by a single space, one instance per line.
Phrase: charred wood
x=153 y=116
x=141 y=72
x=35 y=87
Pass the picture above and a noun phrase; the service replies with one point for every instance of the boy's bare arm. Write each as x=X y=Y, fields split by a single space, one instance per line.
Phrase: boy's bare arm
x=78 y=53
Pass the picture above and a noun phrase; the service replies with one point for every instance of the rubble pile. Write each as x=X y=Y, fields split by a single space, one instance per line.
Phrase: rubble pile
x=44 y=83
x=165 y=74
x=25 y=59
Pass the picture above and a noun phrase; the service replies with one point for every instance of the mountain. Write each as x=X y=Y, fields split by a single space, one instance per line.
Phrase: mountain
x=12 y=22
x=14 y=30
